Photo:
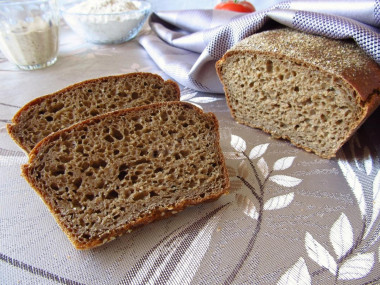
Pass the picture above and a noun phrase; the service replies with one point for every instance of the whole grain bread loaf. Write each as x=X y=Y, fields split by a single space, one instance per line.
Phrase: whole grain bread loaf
x=108 y=174
x=83 y=100
x=311 y=90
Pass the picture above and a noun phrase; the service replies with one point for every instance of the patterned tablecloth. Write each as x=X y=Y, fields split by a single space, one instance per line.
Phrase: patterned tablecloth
x=290 y=217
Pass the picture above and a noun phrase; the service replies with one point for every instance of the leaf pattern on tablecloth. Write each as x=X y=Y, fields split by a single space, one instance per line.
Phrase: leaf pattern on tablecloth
x=286 y=181
x=176 y=258
x=354 y=258
x=247 y=206
x=257 y=164
x=319 y=254
x=367 y=161
x=358 y=156
x=296 y=275
x=353 y=182
x=342 y=236
x=347 y=266
x=368 y=198
x=376 y=202
x=357 y=266
x=233 y=155
x=243 y=169
x=258 y=151
x=283 y=163
x=353 y=144
x=238 y=143
x=263 y=167
x=279 y=202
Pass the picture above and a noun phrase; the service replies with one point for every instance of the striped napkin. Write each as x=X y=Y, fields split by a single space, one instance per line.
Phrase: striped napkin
x=186 y=44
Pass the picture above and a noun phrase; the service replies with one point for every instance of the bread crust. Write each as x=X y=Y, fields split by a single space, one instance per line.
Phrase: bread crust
x=361 y=73
x=17 y=118
x=155 y=214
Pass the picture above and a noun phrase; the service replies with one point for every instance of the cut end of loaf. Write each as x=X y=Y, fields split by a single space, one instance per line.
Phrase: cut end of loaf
x=87 y=99
x=107 y=175
x=312 y=109
x=291 y=98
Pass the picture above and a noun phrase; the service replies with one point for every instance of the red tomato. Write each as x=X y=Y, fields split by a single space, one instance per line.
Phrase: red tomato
x=237 y=6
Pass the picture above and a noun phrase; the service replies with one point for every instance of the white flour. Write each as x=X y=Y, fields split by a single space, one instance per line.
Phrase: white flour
x=103 y=7
x=102 y=21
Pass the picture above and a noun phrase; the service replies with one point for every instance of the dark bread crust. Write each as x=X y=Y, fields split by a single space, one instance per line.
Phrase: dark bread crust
x=340 y=60
x=20 y=119
x=147 y=217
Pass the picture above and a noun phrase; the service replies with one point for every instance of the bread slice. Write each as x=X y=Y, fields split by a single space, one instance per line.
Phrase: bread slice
x=108 y=174
x=310 y=89
x=83 y=100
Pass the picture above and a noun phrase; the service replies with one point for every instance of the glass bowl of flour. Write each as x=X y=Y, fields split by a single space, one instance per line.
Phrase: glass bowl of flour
x=105 y=21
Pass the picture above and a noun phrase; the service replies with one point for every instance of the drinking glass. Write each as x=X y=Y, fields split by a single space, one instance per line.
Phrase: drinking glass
x=29 y=32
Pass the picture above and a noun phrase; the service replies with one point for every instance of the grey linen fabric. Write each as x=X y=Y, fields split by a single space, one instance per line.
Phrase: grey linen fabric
x=186 y=44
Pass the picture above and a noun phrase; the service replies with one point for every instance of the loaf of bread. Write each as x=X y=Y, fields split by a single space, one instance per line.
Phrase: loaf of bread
x=83 y=100
x=113 y=172
x=311 y=90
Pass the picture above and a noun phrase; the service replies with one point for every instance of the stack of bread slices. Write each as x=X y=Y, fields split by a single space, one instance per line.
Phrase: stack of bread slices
x=113 y=153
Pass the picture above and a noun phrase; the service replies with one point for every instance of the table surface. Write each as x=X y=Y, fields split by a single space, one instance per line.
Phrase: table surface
x=316 y=221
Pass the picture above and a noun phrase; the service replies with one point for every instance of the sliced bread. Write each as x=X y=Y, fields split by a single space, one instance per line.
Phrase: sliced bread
x=83 y=100
x=109 y=174
x=310 y=89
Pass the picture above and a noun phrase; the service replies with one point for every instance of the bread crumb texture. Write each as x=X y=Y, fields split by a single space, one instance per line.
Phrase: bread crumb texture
x=309 y=89
x=102 y=177
x=83 y=100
